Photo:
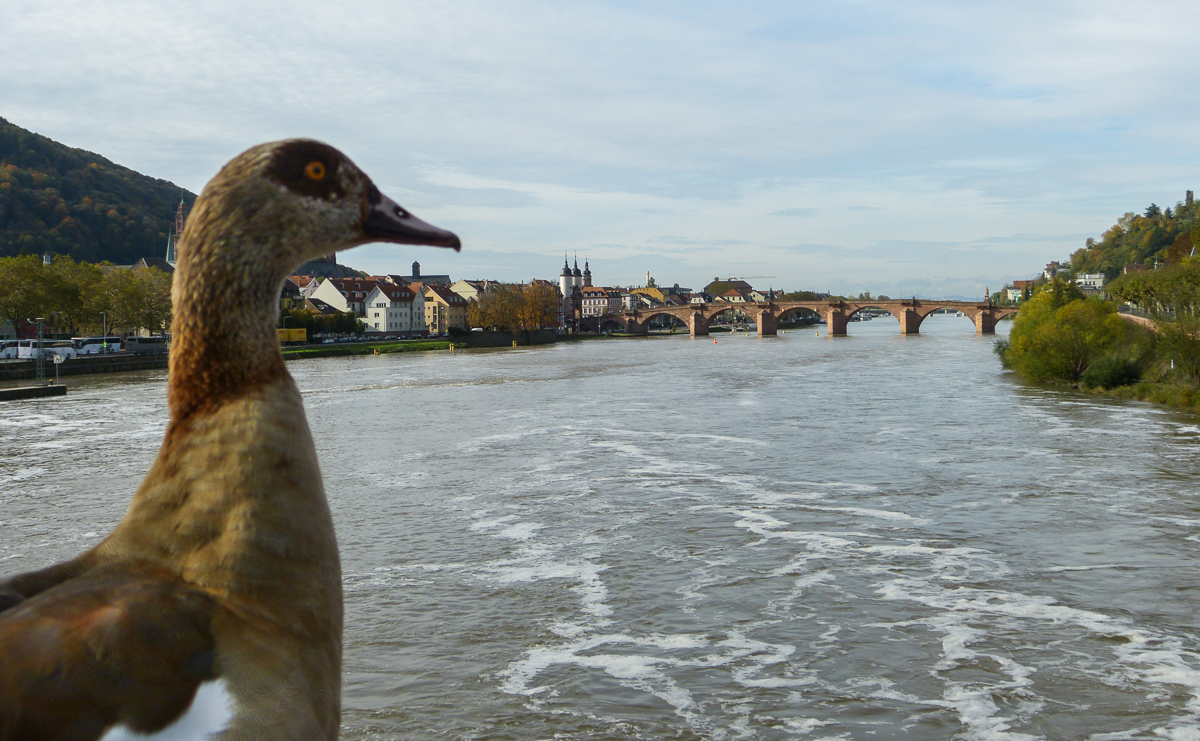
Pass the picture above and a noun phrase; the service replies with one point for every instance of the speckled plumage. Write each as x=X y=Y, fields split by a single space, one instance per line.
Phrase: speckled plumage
x=226 y=565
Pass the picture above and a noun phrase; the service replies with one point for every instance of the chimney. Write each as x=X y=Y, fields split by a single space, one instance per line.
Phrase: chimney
x=416 y=273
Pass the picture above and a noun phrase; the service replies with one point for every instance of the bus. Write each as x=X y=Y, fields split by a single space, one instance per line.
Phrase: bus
x=32 y=349
x=8 y=349
x=146 y=345
x=96 y=345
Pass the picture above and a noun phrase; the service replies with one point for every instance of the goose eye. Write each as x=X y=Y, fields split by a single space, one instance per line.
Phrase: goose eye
x=315 y=170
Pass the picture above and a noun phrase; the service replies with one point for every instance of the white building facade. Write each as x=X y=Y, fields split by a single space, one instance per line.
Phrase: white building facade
x=391 y=308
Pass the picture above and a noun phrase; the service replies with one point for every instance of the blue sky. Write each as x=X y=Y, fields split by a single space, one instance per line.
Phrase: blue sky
x=928 y=148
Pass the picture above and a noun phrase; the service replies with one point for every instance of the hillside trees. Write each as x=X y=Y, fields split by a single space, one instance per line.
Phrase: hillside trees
x=1166 y=235
x=62 y=200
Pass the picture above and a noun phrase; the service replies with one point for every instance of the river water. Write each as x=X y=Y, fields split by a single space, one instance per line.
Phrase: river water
x=796 y=537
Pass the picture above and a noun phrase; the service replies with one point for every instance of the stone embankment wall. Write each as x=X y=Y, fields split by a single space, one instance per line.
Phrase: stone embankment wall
x=505 y=339
x=16 y=370
x=1145 y=321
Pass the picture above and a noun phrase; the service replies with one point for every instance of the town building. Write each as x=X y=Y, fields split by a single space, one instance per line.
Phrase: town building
x=345 y=294
x=153 y=262
x=471 y=290
x=416 y=277
x=598 y=301
x=317 y=306
x=570 y=286
x=1055 y=268
x=393 y=308
x=290 y=297
x=306 y=283
x=1090 y=281
x=444 y=309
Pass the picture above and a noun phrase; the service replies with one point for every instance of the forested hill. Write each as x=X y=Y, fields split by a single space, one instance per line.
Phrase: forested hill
x=1163 y=234
x=55 y=198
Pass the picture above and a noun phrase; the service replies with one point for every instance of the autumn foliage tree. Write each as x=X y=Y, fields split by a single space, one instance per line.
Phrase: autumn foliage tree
x=515 y=307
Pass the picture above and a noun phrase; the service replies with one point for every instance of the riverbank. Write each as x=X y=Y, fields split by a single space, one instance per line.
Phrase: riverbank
x=367 y=348
x=1174 y=395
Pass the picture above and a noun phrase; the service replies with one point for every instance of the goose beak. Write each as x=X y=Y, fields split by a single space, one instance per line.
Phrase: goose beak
x=388 y=221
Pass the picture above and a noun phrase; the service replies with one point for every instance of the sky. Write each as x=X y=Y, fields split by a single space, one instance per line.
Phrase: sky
x=923 y=148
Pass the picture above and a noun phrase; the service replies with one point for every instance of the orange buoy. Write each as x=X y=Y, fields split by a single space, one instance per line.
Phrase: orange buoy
x=714 y=342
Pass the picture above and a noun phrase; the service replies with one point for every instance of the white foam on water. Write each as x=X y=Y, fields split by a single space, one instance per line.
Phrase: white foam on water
x=482 y=525
x=1141 y=658
x=880 y=513
x=521 y=530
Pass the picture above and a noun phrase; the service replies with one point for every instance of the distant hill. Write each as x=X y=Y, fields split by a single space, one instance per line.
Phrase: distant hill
x=55 y=198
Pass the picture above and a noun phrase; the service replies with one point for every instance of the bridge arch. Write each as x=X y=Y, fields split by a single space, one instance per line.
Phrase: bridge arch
x=610 y=323
x=791 y=314
x=908 y=317
x=726 y=313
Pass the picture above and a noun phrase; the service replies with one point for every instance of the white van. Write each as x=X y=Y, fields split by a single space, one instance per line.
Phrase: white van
x=97 y=345
x=31 y=349
x=145 y=345
x=8 y=349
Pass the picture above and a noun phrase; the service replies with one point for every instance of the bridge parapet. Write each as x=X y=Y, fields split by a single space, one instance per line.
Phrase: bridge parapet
x=910 y=313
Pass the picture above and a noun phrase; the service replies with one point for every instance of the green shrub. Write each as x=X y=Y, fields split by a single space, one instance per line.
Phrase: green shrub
x=1111 y=371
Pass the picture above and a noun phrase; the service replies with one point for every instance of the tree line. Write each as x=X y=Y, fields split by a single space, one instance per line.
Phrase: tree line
x=82 y=299
x=515 y=307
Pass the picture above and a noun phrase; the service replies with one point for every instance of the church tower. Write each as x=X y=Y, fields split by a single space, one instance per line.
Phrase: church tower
x=173 y=238
x=587 y=274
x=564 y=279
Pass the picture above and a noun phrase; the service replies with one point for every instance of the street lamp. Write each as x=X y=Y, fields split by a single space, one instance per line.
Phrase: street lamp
x=39 y=348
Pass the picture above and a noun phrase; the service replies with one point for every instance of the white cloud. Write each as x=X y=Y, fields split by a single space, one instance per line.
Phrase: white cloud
x=921 y=145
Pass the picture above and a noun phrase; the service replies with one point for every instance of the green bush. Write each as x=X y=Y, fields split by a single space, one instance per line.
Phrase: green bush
x=1111 y=371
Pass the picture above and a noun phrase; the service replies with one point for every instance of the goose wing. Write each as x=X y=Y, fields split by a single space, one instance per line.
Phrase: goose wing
x=117 y=645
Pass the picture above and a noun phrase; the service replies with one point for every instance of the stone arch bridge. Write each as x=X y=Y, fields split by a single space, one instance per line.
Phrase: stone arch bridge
x=909 y=312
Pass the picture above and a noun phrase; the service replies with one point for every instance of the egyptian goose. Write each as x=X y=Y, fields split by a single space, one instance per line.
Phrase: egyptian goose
x=215 y=606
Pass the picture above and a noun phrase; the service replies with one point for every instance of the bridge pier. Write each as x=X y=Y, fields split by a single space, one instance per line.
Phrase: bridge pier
x=768 y=324
x=835 y=322
x=985 y=322
x=698 y=325
x=910 y=321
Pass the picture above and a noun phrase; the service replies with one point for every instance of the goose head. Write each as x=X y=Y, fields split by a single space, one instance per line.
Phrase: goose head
x=284 y=203
x=268 y=211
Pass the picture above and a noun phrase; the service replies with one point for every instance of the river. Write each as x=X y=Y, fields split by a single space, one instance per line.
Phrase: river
x=871 y=537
